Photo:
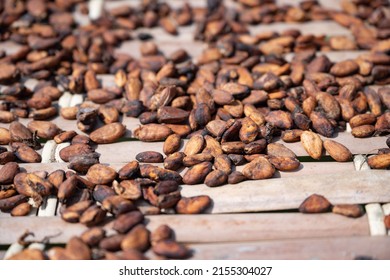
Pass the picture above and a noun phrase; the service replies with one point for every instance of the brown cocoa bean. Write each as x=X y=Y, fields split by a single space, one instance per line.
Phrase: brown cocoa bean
x=284 y=163
x=312 y=143
x=6 y=117
x=193 y=205
x=100 y=174
x=379 y=161
x=259 y=168
x=216 y=178
x=315 y=204
x=136 y=239
x=162 y=232
x=279 y=150
x=22 y=209
x=44 y=129
x=196 y=159
x=197 y=173
x=33 y=186
x=171 y=249
x=65 y=136
x=349 y=210
x=236 y=177
x=101 y=192
x=159 y=174
x=344 y=68
x=82 y=163
x=5 y=136
x=337 y=151
x=129 y=170
x=117 y=205
x=74 y=150
x=93 y=236
x=108 y=133
x=280 y=119
x=93 y=216
x=111 y=243
x=8 y=172
x=149 y=157
x=125 y=222
x=7 y=204
x=76 y=249
x=128 y=189
x=19 y=132
x=67 y=188
x=363 y=131
x=172 y=144
x=169 y=114
x=108 y=114
x=362 y=119
x=152 y=132
x=174 y=161
x=223 y=163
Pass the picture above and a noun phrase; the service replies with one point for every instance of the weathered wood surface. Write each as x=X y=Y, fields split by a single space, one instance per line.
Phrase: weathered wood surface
x=288 y=193
x=205 y=228
x=342 y=248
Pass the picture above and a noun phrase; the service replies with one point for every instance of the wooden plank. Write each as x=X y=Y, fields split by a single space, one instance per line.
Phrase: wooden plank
x=342 y=248
x=206 y=228
x=288 y=193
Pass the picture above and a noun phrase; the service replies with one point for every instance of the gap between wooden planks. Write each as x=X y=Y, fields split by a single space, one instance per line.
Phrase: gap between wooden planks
x=204 y=228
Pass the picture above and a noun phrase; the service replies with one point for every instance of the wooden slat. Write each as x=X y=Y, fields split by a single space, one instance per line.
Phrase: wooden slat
x=342 y=248
x=288 y=193
x=206 y=228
